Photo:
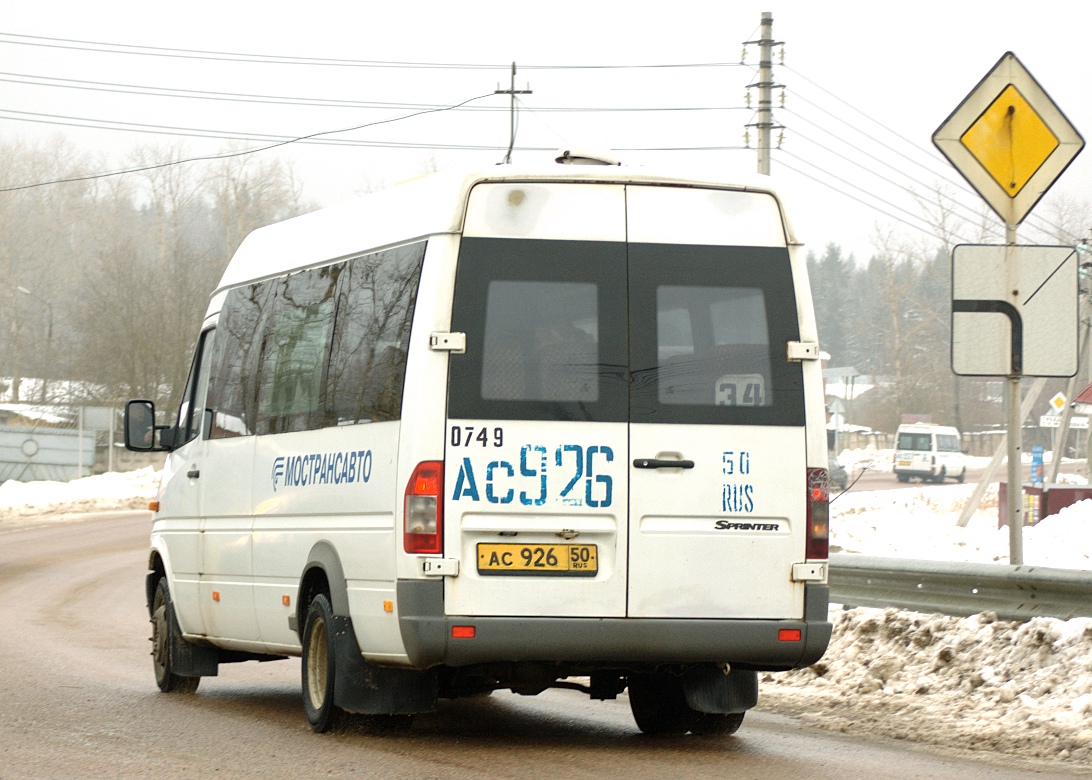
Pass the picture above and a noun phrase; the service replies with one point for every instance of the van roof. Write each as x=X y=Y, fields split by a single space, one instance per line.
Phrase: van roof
x=927 y=428
x=416 y=209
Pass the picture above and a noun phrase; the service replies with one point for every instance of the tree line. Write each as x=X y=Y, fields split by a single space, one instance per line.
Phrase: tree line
x=890 y=319
x=107 y=279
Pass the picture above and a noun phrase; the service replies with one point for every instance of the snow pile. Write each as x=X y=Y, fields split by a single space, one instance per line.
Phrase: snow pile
x=977 y=682
x=920 y=522
x=101 y=493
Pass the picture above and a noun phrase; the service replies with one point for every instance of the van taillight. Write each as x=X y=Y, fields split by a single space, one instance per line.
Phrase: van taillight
x=818 y=514
x=424 y=518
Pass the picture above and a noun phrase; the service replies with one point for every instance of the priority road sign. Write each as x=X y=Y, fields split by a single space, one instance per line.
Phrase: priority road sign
x=1009 y=140
x=1058 y=402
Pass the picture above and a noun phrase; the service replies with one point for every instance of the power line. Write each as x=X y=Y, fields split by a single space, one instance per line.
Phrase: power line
x=869 y=194
x=242 y=97
x=870 y=205
x=928 y=152
x=875 y=173
x=239 y=153
x=199 y=54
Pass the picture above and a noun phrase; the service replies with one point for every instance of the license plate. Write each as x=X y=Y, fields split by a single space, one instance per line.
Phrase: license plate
x=904 y=463
x=571 y=560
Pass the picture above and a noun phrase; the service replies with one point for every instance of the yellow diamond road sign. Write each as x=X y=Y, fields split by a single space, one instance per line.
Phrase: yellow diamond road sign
x=1009 y=140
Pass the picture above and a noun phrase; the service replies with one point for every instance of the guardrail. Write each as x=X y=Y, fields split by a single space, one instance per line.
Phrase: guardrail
x=1013 y=592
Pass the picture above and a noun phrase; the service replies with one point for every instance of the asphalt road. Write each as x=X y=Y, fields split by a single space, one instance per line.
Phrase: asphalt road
x=78 y=700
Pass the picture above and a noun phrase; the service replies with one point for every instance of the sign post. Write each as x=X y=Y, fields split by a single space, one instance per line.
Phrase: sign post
x=1010 y=142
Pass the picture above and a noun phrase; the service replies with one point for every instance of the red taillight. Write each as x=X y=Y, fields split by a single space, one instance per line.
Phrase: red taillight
x=462 y=632
x=424 y=509
x=818 y=514
x=788 y=635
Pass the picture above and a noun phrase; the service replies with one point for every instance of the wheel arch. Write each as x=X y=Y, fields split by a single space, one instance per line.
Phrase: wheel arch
x=157 y=570
x=322 y=573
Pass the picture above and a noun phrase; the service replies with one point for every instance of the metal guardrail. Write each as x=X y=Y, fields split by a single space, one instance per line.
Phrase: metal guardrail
x=1013 y=592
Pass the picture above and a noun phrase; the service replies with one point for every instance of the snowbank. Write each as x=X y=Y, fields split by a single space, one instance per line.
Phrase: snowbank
x=977 y=683
x=101 y=493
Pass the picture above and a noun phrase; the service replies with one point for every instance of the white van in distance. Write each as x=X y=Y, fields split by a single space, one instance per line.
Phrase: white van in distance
x=499 y=429
x=929 y=452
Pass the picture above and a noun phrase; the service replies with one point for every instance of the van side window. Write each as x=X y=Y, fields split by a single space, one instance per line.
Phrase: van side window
x=946 y=442
x=193 y=399
x=295 y=347
x=232 y=393
x=317 y=348
x=371 y=336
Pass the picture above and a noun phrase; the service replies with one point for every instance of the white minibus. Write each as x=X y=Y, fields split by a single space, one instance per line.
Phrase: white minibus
x=512 y=429
x=929 y=452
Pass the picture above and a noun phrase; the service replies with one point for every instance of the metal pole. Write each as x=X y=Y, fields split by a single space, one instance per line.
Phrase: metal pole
x=765 y=92
x=79 y=445
x=1015 y=483
x=110 y=444
x=1067 y=412
x=987 y=476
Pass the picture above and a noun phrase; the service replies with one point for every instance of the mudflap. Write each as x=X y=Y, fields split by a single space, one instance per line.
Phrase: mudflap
x=187 y=659
x=368 y=689
x=709 y=689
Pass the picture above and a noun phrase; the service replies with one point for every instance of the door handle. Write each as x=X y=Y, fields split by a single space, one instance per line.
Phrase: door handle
x=193 y=473
x=656 y=463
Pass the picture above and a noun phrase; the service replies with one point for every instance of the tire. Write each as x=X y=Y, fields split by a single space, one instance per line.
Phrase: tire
x=939 y=478
x=164 y=630
x=962 y=476
x=903 y=477
x=710 y=724
x=318 y=666
x=659 y=704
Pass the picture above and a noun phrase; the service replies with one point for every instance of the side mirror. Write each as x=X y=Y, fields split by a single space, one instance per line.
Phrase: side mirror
x=140 y=429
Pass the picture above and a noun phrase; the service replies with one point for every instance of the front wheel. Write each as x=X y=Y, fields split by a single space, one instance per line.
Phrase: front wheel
x=962 y=476
x=318 y=666
x=164 y=630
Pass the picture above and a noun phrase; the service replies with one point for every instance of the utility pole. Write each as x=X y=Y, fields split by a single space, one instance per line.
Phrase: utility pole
x=512 y=92
x=765 y=84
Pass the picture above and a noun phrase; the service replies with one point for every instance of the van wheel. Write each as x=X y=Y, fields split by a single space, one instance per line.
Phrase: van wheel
x=903 y=477
x=318 y=666
x=164 y=630
x=659 y=704
x=711 y=724
x=962 y=475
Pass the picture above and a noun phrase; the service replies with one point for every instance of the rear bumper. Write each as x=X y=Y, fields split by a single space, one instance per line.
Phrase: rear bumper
x=752 y=644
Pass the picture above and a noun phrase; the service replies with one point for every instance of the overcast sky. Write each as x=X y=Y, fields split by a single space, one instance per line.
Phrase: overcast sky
x=866 y=85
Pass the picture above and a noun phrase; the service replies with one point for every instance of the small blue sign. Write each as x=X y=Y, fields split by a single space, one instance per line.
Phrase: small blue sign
x=1037 y=465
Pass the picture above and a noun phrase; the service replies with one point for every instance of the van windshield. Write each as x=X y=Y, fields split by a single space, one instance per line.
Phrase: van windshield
x=917 y=442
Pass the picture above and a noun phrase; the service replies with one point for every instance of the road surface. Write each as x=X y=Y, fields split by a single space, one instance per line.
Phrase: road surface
x=79 y=701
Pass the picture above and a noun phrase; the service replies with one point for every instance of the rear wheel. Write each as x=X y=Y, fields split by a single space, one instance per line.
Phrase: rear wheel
x=939 y=478
x=962 y=475
x=903 y=477
x=164 y=630
x=659 y=704
x=318 y=666
x=712 y=724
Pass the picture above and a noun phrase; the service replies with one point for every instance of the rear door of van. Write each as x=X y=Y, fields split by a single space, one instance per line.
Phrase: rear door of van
x=625 y=435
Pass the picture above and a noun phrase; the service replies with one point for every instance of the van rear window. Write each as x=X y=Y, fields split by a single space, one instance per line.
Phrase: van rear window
x=610 y=332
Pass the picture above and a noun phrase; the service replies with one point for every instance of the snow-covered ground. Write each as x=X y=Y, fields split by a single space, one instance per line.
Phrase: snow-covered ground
x=1023 y=689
